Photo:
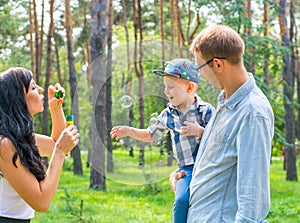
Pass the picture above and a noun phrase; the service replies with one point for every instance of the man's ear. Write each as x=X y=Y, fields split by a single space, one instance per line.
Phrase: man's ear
x=220 y=64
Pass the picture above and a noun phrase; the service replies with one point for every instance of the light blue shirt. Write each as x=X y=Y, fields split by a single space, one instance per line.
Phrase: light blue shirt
x=230 y=181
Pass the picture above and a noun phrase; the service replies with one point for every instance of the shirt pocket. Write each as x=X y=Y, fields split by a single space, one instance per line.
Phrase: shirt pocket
x=216 y=146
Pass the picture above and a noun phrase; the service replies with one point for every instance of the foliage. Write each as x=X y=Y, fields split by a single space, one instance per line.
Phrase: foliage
x=15 y=51
x=13 y=34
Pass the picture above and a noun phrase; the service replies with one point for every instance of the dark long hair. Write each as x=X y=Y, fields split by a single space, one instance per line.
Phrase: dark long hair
x=16 y=122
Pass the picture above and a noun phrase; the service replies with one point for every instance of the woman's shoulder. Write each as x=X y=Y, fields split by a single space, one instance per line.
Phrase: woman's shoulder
x=7 y=148
x=5 y=141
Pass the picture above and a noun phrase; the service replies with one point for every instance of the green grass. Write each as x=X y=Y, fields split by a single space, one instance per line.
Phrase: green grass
x=136 y=202
x=120 y=203
x=285 y=196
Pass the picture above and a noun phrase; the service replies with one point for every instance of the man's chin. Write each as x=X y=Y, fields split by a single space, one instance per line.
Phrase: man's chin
x=216 y=87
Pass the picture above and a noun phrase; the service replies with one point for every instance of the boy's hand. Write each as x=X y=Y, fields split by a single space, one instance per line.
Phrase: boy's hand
x=192 y=129
x=119 y=132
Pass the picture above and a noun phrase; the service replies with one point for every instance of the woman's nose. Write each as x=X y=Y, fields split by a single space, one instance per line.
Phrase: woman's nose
x=41 y=90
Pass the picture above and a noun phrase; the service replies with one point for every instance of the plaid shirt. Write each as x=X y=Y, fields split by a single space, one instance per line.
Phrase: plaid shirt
x=185 y=148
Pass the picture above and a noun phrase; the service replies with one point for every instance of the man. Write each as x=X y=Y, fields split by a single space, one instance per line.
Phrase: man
x=230 y=181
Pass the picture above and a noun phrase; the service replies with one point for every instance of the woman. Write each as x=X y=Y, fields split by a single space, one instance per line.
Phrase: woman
x=25 y=185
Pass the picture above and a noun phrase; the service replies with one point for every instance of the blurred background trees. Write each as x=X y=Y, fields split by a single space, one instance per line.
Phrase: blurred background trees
x=103 y=50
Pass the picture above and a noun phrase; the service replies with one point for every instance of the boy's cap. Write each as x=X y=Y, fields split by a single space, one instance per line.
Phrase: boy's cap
x=181 y=68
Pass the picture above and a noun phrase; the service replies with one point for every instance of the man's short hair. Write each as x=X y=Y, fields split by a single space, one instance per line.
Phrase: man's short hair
x=219 y=41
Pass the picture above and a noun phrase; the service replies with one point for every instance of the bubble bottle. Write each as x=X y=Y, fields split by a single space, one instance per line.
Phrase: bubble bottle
x=69 y=120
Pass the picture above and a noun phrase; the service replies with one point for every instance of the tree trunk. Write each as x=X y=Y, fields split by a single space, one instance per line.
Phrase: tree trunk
x=126 y=32
x=162 y=34
x=169 y=150
x=48 y=70
x=75 y=153
x=130 y=121
x=45 y=124
x=108 y=90
x=58 y=70
x=88 y=50
x=98 y=43
x=291 y=155
x=138 y=66
x=189 y=25
x=39 y=53
x=162 y=31
x=247 y=31
x=31 y=26
x=288 y=91
x=142 y=115
x=266 y=34
x=172 y=33
x=127 y=80
x=198 y=23
x=37 y=47
x=297 y=69
x=180 y=36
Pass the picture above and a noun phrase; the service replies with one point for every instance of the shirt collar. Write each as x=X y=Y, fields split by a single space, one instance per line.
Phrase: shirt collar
x=239 y=94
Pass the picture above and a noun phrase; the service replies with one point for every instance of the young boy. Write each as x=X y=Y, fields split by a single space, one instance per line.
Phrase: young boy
x=185 y=117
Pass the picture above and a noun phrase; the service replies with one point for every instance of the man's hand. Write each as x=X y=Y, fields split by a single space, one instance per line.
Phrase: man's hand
x=174 y=177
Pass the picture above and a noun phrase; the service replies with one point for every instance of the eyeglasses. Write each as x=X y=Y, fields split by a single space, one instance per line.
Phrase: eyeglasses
x=207 y=62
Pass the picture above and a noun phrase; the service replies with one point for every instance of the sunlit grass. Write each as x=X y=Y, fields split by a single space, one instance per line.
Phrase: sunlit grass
x=120 y=203
x=142 y=203
x=285 y=196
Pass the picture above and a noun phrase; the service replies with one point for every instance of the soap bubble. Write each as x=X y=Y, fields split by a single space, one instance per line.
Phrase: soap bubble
x=126 y=101
x=153 y=118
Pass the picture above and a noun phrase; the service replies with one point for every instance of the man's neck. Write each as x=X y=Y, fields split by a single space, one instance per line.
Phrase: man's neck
x=234 y=81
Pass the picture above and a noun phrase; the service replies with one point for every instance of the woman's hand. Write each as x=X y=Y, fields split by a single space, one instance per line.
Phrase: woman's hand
x=56 y=111
x=68 y=139
x=53 y=101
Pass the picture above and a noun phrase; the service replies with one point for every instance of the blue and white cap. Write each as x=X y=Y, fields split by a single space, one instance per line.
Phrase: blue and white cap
x=181 y=68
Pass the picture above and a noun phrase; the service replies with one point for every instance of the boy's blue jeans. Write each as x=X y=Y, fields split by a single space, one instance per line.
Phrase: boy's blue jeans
x=181 y=204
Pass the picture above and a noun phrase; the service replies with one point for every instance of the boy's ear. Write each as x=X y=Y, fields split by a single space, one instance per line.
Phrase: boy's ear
x=190 y=87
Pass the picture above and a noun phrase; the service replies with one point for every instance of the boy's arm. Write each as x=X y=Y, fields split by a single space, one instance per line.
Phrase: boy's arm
x=119 y=132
